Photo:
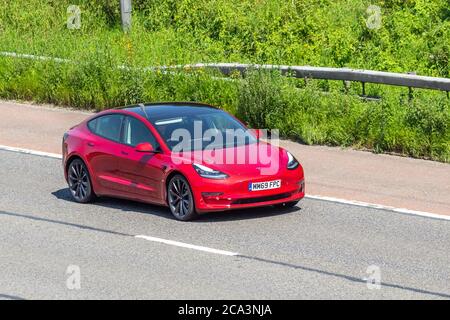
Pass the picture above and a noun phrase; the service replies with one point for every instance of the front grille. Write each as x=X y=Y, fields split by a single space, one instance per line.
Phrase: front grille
x=262 y=199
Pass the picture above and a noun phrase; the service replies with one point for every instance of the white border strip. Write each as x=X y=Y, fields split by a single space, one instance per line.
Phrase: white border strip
x=187 y=245
x=309 y=196
x=33 y=152
x=379 y=206
x=32 y=57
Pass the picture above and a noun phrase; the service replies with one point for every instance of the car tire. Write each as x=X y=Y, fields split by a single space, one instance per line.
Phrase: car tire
x=180 y=199
x=79 y=180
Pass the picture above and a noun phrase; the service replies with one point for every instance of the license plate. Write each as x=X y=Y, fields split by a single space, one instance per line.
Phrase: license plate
x=266 y=185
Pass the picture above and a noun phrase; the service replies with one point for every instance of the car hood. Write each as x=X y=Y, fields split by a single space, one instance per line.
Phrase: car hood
x=254 y=159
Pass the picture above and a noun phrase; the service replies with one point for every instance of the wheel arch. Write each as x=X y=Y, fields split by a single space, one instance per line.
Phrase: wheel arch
x=169 y=177
x=73 y=157
x=70 y=159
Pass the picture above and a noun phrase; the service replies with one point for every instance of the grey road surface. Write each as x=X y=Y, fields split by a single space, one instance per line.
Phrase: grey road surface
x=317 y=250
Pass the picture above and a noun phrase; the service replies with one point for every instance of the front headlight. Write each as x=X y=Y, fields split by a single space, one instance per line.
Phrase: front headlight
x=209 y=173
x=292 y=162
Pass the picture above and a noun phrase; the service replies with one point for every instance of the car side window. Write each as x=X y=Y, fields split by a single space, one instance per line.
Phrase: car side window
x=92 y=125
x=108 y=126
x=136 y=132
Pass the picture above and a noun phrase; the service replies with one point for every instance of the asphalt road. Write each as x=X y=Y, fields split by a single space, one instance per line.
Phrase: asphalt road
x=318 y=250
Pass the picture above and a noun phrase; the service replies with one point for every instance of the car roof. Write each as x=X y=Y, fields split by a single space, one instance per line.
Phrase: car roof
x=164 y=110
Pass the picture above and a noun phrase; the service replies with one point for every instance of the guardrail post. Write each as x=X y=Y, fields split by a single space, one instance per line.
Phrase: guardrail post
x=363 y=89
x=347 y=85
x=410 y=90
x=125 y=13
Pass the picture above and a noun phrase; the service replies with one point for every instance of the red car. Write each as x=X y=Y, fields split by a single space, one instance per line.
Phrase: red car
x=191 y=157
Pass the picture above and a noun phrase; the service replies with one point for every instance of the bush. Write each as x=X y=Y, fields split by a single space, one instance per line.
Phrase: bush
x=260 y=97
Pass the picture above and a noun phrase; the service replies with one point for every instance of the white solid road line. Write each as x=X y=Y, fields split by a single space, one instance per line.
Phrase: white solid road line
x=33 y=152
x=188 y=246
x=380 y=206
x=309 y=196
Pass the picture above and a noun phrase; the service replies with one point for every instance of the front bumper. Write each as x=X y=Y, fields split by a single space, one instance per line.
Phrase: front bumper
x=212 y=196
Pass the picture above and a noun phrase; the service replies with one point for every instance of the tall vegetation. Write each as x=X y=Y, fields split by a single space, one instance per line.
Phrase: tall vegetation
x=414 y=36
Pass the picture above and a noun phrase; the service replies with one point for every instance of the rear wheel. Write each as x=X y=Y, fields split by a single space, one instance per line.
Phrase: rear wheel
x=80 y=182
x=180 y=199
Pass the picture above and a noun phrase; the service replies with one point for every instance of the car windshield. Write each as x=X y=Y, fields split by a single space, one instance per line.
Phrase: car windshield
x=198 y=128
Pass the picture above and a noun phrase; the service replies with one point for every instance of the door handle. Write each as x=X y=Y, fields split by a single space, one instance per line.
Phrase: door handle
x=124 y=153
x=91 y=144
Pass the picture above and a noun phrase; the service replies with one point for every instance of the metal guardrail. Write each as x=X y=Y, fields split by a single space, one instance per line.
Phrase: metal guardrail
x=303 y=72
x=344 y=74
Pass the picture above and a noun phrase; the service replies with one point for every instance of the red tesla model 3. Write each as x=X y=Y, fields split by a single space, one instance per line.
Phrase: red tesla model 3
x=191 y=157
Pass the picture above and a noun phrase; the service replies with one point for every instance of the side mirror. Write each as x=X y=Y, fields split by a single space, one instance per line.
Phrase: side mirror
x=144 y=147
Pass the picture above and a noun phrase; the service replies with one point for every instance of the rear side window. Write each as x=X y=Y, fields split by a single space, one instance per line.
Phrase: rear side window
x=108 y=126
x=92 y=125
x=135 y=132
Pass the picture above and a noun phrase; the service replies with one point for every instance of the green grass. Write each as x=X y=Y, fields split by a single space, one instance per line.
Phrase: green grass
x=415 y=36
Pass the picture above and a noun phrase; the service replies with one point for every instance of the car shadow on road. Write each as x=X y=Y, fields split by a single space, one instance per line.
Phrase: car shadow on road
x=139 y=207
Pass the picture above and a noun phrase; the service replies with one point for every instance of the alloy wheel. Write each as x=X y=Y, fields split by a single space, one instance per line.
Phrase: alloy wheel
x=79 y=183
x=180 y=198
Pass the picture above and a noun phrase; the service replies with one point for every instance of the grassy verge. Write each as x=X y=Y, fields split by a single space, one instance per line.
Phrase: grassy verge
x=324 y=33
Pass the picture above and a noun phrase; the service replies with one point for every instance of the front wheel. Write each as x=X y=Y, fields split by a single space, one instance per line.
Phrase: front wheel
x=180 y=199
x=80 y=182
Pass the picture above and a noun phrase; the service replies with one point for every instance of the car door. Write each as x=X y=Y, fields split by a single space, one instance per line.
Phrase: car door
x=102 y=149
x=143 y=171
